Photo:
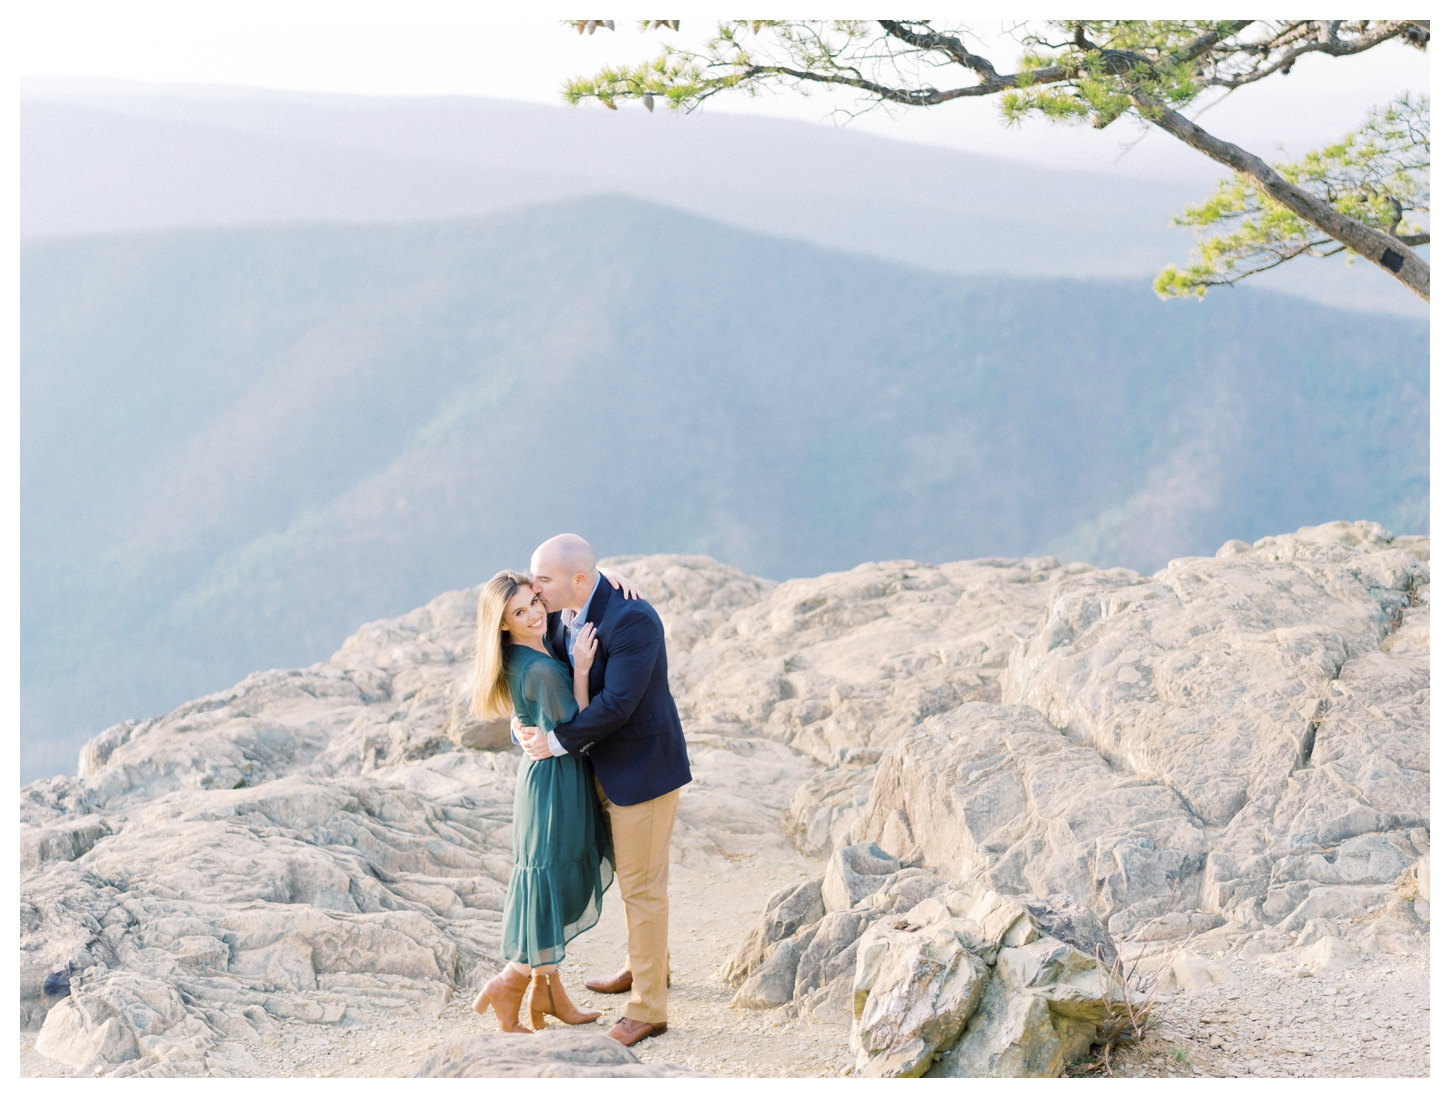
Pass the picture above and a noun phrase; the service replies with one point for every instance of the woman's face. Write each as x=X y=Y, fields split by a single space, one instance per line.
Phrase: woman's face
x=525 y=617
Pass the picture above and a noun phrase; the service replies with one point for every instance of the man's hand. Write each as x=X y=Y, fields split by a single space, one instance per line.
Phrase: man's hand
x=534 y=742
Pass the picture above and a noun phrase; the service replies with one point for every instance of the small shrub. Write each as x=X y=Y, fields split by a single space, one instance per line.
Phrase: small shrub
x=1128 y=997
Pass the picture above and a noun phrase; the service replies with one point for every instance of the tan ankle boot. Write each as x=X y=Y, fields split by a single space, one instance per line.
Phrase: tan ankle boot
x=547 y=996
x=505 y=993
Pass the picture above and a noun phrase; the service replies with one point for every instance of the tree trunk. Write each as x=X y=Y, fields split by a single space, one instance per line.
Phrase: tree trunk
x=1379 y=248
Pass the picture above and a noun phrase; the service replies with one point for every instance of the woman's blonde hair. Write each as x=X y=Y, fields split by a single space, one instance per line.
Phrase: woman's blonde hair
x=491 y=697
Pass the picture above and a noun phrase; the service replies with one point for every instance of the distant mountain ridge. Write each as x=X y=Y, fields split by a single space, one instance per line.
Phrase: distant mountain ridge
x=123 y=157
x=239 y=444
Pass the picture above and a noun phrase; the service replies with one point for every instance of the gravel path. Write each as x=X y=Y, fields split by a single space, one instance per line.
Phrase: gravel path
x=1371 y=1020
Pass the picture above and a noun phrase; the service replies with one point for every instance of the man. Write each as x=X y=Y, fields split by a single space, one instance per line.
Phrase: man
x=631 y=733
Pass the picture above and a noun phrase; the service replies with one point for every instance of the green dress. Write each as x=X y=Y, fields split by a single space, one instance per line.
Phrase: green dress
x=563 y=860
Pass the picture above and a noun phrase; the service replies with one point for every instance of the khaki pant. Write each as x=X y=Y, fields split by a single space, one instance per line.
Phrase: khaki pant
x=641 y=836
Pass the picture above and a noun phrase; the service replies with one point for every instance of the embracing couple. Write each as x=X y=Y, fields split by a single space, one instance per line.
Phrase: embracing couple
x=578 y=659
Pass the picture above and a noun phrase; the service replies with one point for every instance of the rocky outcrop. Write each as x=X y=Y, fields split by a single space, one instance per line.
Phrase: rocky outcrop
x=1194 y=747
x=841 y=666
x=943 y=978
x=1234 y=749
x=307 y=843
x=997 y=792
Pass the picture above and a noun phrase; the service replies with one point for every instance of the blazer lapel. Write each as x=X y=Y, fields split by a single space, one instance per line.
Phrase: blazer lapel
x=595 y=614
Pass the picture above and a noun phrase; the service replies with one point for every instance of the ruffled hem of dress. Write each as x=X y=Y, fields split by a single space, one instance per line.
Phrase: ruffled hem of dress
x=567 y=932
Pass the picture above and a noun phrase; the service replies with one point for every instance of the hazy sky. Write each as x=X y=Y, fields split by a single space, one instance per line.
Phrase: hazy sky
x=432 y=47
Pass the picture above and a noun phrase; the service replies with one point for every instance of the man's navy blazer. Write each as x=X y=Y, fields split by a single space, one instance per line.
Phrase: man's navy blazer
x=631 y=728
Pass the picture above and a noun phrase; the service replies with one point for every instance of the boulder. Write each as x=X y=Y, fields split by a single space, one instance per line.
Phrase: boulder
x=855 y=872
x=73 y=1037
x=773 y=982
x=907 y=965
x=1193 y=972
x=1043 y=1009
x=913 y=991
x=1011 y=1036
x=1281 y=692
x=786 y=912
x=831 y=952
x=997 y=792
x=551 y=1054
x=1073 y=982
x=1328 y=954
x=1254 y=638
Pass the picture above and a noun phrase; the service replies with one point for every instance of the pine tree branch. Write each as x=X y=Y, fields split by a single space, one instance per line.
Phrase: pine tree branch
x=1392 y=254
x=1328 y=42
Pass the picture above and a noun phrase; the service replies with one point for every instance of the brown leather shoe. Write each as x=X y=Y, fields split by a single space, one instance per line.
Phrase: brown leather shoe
x=621 y=981
x=629 y=1032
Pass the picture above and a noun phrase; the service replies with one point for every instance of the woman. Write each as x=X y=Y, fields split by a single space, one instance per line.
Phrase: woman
x=563 y=862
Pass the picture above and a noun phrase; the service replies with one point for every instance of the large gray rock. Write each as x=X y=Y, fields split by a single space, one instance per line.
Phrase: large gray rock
x=1277 y=694
x=786 y=912
x=832 y=949
x=773 y=982
x=1281 y=691
x=996 y=792
x=914 y=989
x=855 y=872
x=551 y=1054
x=1011 y=1036
x=1255 y=639
x=906 y=967
x=842 y=665
x=1044 y=1007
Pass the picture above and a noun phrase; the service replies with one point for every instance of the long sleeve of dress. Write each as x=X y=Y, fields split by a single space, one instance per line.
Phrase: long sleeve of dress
x=548 y=696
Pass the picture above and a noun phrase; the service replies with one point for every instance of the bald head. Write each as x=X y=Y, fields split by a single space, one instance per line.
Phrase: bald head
x=564 y=572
